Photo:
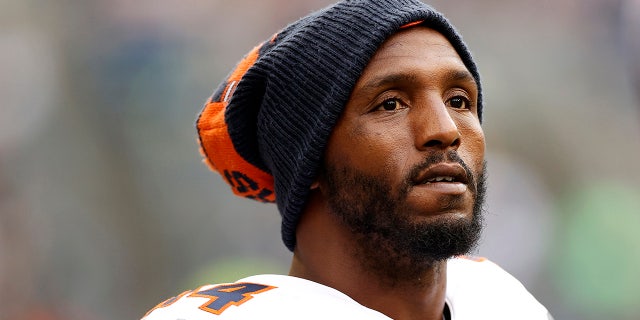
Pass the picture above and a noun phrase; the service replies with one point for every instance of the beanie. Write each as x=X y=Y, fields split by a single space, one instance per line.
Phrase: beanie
x=266 y=126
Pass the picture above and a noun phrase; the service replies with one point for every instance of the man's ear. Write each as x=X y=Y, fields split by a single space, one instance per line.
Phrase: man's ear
x=315 y=185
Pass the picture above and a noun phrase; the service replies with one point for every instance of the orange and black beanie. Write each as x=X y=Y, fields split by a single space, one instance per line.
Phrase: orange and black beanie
x=266 y=126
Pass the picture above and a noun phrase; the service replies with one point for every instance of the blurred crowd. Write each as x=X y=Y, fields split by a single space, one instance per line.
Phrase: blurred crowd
x=106 y=208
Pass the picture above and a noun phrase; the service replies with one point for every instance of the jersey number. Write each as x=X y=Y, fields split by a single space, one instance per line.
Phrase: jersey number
x=223 y=296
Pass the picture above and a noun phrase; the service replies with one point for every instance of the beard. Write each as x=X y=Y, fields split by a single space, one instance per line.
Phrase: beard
x=390 y=243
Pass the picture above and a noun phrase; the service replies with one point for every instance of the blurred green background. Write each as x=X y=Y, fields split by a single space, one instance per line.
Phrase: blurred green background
x=106 y=208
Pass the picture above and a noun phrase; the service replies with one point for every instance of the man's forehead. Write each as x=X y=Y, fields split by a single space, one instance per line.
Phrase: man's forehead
x=415 y=36
x=398 y=76
x=416 y=42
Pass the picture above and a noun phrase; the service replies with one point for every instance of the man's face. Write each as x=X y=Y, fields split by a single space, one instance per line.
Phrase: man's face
x=404 y=167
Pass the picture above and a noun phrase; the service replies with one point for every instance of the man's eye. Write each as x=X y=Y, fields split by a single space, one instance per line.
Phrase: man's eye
x=460 y=102
x=390 y=104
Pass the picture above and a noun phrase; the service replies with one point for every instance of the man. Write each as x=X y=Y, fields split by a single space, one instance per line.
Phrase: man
x=362 y=121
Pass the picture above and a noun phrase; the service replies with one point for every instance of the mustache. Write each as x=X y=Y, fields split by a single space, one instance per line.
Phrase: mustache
x=435 y=158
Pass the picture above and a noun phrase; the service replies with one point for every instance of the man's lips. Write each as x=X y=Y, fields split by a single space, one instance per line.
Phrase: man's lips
x=445 y=178
x=444 y=172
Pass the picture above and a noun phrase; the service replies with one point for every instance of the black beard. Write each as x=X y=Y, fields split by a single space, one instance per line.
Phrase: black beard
x=390 y=245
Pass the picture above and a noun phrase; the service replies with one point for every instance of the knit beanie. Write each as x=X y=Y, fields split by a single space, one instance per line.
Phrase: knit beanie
x=266 y=126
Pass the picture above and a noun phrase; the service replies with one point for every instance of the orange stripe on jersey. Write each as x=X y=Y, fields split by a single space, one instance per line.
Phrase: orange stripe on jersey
x=473 y=258
x=223 y=296
x=168 y=302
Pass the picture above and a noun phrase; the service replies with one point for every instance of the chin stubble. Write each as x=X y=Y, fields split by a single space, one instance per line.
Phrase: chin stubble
x=390 y=245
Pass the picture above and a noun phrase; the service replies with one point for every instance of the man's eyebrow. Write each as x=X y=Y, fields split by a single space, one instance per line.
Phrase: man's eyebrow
x=389 y=79
x=460 y=76
x=397 y=78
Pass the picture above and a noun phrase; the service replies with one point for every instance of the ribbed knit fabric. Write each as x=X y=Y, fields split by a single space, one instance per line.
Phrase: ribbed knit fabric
x=284 y=107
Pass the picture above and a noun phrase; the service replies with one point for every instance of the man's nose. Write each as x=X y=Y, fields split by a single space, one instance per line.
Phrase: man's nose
x=435 y=128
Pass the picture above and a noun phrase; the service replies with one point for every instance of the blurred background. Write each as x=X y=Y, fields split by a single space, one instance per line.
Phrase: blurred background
x=106 y=208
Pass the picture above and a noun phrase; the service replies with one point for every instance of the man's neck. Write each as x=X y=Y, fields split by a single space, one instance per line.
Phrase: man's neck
x=327 y=257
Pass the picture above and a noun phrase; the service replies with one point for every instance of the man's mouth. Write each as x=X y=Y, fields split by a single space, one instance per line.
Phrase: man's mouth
x=442 y=173
x=440 y=179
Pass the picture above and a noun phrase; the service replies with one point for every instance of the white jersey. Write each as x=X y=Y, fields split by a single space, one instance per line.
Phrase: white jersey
x=476 y=289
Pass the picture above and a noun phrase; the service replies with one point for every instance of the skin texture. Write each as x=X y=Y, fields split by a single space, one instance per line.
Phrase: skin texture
x=411 y=117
